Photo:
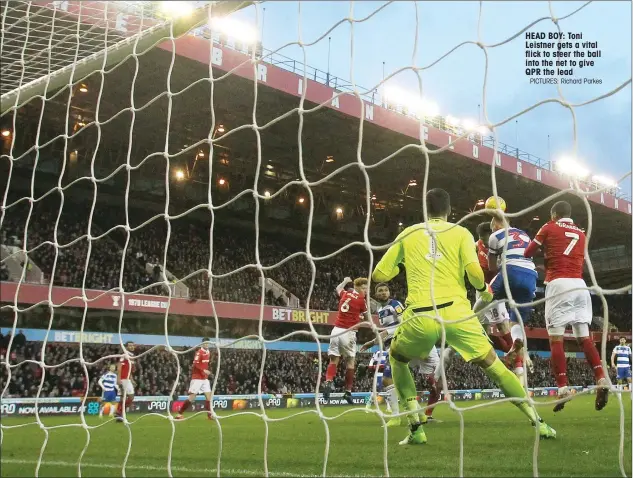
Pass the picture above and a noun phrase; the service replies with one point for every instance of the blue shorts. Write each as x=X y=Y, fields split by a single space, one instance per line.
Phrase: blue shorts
x=624 y=373
x=522 y=284
x=109 y=397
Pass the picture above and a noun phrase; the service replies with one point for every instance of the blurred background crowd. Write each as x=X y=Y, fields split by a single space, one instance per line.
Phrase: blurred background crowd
x=158 y=371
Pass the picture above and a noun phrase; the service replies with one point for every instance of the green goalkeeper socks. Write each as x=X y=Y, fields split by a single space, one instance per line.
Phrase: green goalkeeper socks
x=405 y=386
x=511 y=387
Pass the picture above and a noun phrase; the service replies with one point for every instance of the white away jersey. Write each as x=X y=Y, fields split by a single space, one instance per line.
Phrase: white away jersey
x=622 y=356
x=390 y=315
x=517 y=240
x=108 y=381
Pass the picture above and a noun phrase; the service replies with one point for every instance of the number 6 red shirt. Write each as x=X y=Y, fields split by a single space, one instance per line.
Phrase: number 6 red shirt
x=350 y=307
x=563 y=244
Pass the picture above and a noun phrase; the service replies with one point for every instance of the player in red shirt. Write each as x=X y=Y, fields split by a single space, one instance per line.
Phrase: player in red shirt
x=199 y=380
x=125 y=381
x=352 y=308
x=567 y=300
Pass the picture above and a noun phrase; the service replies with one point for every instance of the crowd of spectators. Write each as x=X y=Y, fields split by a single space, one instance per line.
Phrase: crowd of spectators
x=157 y=371
x=188 y=249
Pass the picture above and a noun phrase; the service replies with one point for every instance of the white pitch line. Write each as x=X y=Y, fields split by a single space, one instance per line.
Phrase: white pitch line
x=223 y=471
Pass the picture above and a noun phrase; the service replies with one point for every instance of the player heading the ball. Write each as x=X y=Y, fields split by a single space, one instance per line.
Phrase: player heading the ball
x=506 y=258
x=438 y=255
x=567 y=299
x=352 y=308
x=199 y=380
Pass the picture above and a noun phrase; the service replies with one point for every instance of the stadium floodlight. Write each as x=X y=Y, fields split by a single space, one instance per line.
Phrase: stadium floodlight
x=301 y=200
x=176 y=9
x=329 y=159
x=180 y=175
x=235 y=29
x=339 y=210
x=400 y=224
x=483 y=130
x=201 y=154
x=6 y=133
x=221 y=181
x=415 y=103
x=83 y=88
x=413 y=183
x=481 y=202
x=221 y=129
x=451 y=120
x=571 y=167
x=469 y=125
x=604 y=181
x=267 y=194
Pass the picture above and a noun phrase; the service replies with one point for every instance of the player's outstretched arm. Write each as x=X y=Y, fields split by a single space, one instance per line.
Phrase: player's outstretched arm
x=341 y=286
x=387 y=268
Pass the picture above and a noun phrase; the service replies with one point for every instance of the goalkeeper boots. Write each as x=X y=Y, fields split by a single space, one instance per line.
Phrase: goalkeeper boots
x=348 y=397
x=602 y=394
x=417 y=437
x=394 y=422
x=545 y=431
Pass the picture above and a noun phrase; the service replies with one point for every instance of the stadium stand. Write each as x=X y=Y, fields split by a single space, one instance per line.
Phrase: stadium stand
x=284 y=372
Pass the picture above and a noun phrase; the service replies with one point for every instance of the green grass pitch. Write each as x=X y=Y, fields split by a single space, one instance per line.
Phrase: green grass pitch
x=498 y=441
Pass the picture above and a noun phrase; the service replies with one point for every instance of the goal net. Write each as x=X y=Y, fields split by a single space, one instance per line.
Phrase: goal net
x=157 y=158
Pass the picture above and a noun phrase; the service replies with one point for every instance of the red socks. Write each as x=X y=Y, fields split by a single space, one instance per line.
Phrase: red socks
x=330 y=373
x=207 y=405
x=559 y=362
x=186 y=404
x=593 y=358
x=507 y=338
x=500 y=343
x=349 y=378
x=434 y=395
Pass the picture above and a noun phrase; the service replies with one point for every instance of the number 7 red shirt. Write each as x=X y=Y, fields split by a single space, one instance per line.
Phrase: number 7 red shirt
x=563 y=244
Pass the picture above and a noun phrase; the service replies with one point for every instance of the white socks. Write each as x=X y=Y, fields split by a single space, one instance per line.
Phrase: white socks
x=392 y=399
x=517 y=333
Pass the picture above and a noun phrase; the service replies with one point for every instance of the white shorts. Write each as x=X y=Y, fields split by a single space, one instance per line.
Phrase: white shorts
x=571 y=308
x=343 y=345
x=428 y=365
x=495 y=315
x=127 y=387
x=198 y=386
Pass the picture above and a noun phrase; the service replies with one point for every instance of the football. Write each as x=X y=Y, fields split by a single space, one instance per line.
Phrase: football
x=106 y=409
x=495 y=203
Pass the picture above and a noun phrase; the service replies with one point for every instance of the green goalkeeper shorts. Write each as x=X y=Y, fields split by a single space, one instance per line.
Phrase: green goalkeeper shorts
x=419 y=332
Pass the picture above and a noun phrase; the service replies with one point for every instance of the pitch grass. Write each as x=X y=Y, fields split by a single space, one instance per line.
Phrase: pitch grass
x=497 y=442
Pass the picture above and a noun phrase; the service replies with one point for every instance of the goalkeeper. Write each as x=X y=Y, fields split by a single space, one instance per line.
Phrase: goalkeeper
x=436 y=254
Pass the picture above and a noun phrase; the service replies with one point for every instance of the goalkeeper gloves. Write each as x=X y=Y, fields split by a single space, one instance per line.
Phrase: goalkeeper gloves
x=486 y=294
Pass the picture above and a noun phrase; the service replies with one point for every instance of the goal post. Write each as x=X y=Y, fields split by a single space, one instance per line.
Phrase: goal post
x=138 y=43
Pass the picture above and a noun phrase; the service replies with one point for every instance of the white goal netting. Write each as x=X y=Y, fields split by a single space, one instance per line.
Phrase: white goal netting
x=123 y=123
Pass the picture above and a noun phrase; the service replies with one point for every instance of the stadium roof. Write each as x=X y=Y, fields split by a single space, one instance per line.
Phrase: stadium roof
x=329 y=140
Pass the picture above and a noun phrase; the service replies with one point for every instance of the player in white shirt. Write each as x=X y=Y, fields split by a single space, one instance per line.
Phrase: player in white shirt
x=621 y=361
x=108 y=383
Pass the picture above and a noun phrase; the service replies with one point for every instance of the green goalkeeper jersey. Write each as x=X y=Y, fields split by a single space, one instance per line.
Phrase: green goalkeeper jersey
x=450 y=250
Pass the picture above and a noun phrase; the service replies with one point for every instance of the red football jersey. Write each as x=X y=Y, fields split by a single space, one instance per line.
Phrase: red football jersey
x=126 y=368
x=350 y=307
x=563 y=244
x=482 y=254
x=200 y=364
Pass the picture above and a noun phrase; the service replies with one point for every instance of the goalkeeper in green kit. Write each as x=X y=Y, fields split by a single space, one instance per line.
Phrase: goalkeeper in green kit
x=435 y=266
